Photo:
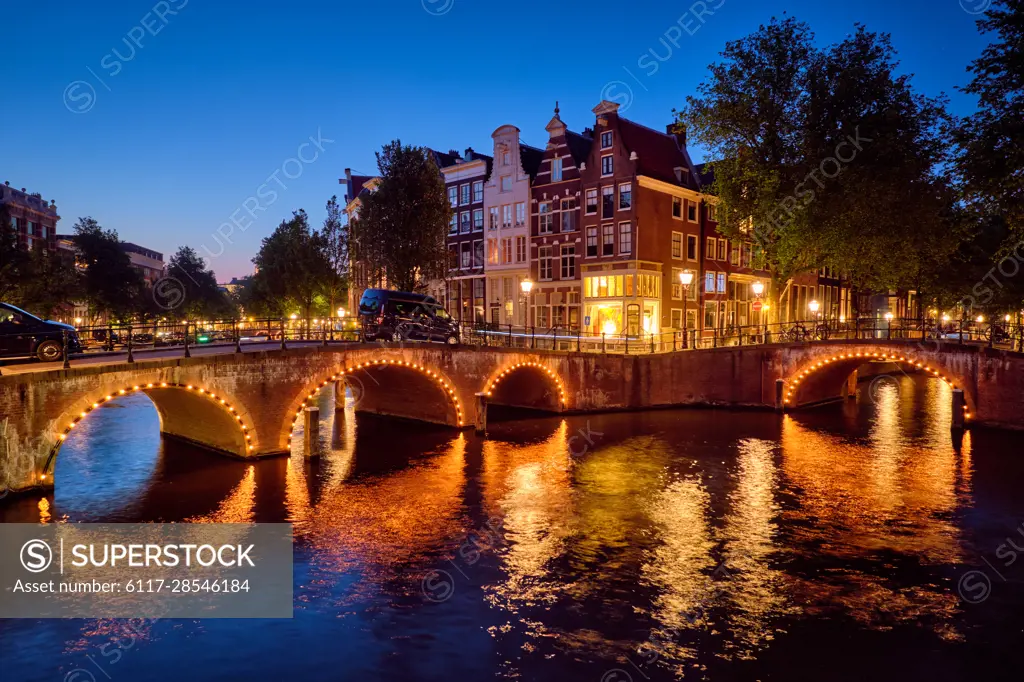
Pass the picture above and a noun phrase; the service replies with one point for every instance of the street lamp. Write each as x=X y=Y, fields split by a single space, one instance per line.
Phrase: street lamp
x=341 y=312
x=758 y=288
x=526 y=285
x=814 y=306
x=686 y=279
x=981 y=318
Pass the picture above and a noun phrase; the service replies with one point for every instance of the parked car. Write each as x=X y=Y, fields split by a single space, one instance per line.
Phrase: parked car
x=401 y=315
x=23 y=334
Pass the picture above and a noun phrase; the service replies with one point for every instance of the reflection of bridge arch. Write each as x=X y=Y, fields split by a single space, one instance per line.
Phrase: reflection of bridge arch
x=821 y=378
x=527 y=394
x=373 y=403
x=183 y=413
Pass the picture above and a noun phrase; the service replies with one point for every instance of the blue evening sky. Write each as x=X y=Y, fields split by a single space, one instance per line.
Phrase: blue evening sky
x=164 y=142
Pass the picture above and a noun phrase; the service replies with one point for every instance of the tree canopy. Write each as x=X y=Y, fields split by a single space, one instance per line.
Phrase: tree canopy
x=194 y=293
x=292 y=270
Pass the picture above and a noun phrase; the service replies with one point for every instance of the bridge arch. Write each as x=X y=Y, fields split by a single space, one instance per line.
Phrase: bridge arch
x=454 y=414
x=822 y=377
x=550 y=395
x=178 y=405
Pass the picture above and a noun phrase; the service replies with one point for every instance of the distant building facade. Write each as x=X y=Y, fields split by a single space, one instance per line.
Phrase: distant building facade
x=32 y=219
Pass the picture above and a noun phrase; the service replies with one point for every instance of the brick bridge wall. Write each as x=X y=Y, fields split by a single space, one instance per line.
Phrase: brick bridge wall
x=245 y=405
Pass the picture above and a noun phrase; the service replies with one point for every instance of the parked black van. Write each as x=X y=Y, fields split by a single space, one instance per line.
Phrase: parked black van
x=401 y=315
x=24 y=335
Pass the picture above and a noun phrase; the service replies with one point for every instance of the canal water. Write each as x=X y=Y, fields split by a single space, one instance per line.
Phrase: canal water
x=859 y=541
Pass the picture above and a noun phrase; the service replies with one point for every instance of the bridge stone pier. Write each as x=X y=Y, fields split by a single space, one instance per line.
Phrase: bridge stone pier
x=246 y=405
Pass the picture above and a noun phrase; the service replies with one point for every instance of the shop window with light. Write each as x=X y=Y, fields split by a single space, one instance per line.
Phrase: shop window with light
x=478 y=253
x=677 y=245
x=591 y=242
x=544 y=258
x=607 y=202
x=545 y=218
x=506 y=250
x=606 y=140
x=625 y=196
x=607 y=166
x=625 y=238
x=465 y=222
x=520 y=249
x=691 y=211
x=722 y=250
x=568 y=261
x=506 y=216
x=493 y=224
x=478 y=220
x=520 y=214
x=556 y=170
x=568 y=215
x=453 y=196
x=464 y=194
x=677 y=208
x=478 y=191
x=608 y=240
x=591 y=205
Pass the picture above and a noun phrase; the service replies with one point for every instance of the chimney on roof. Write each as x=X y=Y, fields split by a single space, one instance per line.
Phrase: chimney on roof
x=454 y=153
x=469 y=153
x=348 y=185
x=678 y=131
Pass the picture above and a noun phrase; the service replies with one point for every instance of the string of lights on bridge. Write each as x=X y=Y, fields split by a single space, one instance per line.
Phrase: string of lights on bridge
x=554 y=377
x=146 y=387
x=794 y=384
x=448 y=388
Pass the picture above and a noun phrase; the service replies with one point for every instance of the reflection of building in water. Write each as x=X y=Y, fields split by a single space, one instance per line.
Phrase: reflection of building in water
x=892 y=495
x=238 y=506
x=530 y=488
x=754 y=594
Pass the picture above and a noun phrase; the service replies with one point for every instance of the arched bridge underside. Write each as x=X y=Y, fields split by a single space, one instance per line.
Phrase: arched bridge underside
x=246 y=405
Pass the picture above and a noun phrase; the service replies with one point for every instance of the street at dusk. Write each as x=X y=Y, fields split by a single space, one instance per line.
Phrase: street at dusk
x=443 y=339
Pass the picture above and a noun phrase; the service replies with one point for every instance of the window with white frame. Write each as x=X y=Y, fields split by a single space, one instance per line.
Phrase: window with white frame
x=677 y=245
x=710 y=250
x=478 y=191
x=608 y=240
x=520 y=249
x=625 y=238
x=607 y=167
x=712 y=213
x=723 y=249
x=506 y=250
x=453 y=224
x=625 y=196
x=677 y=208
x=677 y=318
x=591 y=205
x=709 y=282
x=464 y=194
x=494 y=218
x=691 y=211
x=506 y=216
x=465 y=224
x=506 y=159
x=478 y=219
x=607 y=201
x=467 y=255
x=544 y=217
x=568 y=221
x=453 y=195
x=544 y=259
x=506 y=183
x=520 y=214
x=677 y=286
x=721 y=282
x=556 y=169
x=492 y=251
x=691 y=247
x=606 y=140
x=591 y=242
x=568 y=261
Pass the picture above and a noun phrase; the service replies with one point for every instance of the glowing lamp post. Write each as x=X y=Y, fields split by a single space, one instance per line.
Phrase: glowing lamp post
x=814 y=306
x=526 y=285
x=686 y=279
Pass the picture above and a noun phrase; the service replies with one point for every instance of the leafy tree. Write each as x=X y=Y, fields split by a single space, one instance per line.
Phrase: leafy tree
x=336 y=249
x=292 y=269
x=199 y=295
x=51 y=282
x=14 y=259
x=110 y=282
x=400 y=235
x=826 y=157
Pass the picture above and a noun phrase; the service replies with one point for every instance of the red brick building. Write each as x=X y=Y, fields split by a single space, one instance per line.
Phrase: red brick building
x=464 y=178
x=33 y=220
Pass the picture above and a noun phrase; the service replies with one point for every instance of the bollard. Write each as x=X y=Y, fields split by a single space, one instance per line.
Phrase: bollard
x=283 y=334
x=312 y=431
x=188 y=353
x=481 y=414
x=238 y=338
x=131 y=355
x=850 y=388
x=64 y=351
x=339 y=399
x=780 y=388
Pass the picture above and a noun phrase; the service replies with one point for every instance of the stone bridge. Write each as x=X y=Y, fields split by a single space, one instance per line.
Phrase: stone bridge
x=247 y=404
